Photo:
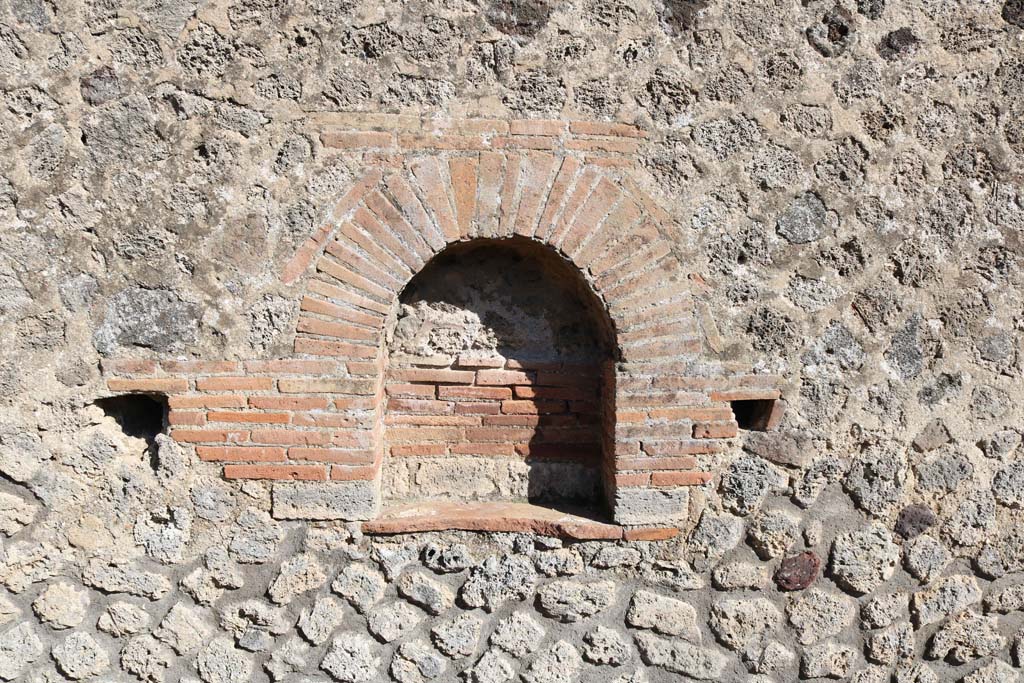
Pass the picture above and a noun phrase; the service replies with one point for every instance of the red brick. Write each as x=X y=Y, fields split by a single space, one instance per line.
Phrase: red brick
x=321 y=347
x=695 y=414
x=338 y=330
x=436 y=376
x=412 y=209
x=320 y=307
x=503 y=377
x=484 y=449
x=362 y=266
x=409 y=405
x=549 y=127
x=532 y=407
x=428 y=175
x=200 y=367
x=326 y=420
x=463 y=174
x=294 y=367
x=491 y=393
x=745 y=395
x=477 y=408
x=350 y=277
x=537 y=142
x=620 y=221
x=676 y=463
x=489 y=189
x=466 y=360
x=240 y=453
x=334 y=455
x=378 y=230
x=715 y=430
x=498 y=434
x=509 y=203
x=615 y=146
x=416 y=141
x=364 y=368
x=432 y=420
x=347 y=296
x=607 y=129
x=574 y=201
x=186 y=417
x=419 y=449
x=416 y=434
x=364 y=237
x=639 y=479
x=567 y=394
x=159 y=385
x=279 y=472
x=630 y=416
x=248 y=416
x=593 y=211
x=412 y=390
x=563 y=181
x=342 y=473
x=288 y=403
x=553 y=379
x=209 y=436
x=394 y=218
x=235 y=383
x=128 y=366
x=356 y=139
x=290 y=437
x=680 y=478
x=206 y=401
x=677 y=448
x=536 y=178
x=649 y=533
x=511 y=420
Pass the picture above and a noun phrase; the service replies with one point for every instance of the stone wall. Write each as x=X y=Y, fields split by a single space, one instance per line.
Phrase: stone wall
x=844 y=198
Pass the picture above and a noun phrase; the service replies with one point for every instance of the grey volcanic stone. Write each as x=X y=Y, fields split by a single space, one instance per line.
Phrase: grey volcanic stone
x=817 y=614
x=458 y=637
x=737 y=623
x=351 y=659
x=680 y=657
x=497 y=580
x=349 y=500
x=20 y=646
x=605 y=646
x=649 y=610
x=861 y=561
x=518 y=634
x=560 y=663
x=151 y=318
x=806 y=219
x=425 y=592
x=80 y=656
x=943 y=598
x=570 y=601
x=360 y=584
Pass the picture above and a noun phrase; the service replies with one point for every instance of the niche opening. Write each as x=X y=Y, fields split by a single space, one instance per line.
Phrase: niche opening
x=754 y=415
x=141 y=416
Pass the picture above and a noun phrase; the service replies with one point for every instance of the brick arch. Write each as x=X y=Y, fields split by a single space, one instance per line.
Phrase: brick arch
x=312 y=423
x=395 y=221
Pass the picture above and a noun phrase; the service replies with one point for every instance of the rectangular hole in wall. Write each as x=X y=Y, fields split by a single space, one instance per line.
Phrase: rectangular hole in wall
x=753 y=415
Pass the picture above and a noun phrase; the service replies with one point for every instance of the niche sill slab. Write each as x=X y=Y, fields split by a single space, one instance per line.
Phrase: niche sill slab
x=494 y=516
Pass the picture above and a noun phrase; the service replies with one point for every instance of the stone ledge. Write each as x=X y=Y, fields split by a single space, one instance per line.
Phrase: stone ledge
x=495 y=517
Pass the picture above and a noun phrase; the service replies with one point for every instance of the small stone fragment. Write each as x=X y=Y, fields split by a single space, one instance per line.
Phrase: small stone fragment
x=80 y=656
x=392 y=621
x=605 y=646
x=817 y=615
x=828 y=660
x=914 y=520
x=457 y=638
x=570 y=601
x=361 y=585
x=61 y=605
x=649 y=610
x=350 y=659
x=798 y=572
x=945 y=597
x=425 y=592
x=863 y=560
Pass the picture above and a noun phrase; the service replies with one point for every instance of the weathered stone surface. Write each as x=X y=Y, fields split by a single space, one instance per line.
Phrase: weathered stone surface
x=966 y=637
x=351 y=659
x=392 y=621
x=321 y=620
x=79 y=656
x=680 y=657
x=61 y=605
x=497 y=580
x=669 y=616
x=605 y=646
x=349 y=500
x=570 y=601
x=184 y=628
x=298 y=575
x=560 y=663
x=863 y=560
x=943 y=598
x=422 y=591
x=737 y=623
x=914 y=520
x=817 y=614
x=361 y=585
x=797 y=572
x=20 y=646
x=827 y=660
x=518 y=634
x=457 y=638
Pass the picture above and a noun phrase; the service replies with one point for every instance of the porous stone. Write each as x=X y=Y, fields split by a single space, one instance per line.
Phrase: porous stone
x=360 y=584
x=20 y=646
x=571 y=601
x=298 y=575
x=457 y=638
x=680 y=657
x=425 y=592
x=390 y=622
x=498 y=580
x=739 y=576
x=559 y=663
x=606 y=647
x=61 y=605
x=772 y=533
x=944 y=597
x=220 y=662
x=914 y=520
x=123 y=619
x=518 y=634
x=863 y=560
x=416 y=662
x=827 y=660
x=321 y=620
x=966 y=637
x=925 y=558
x=184 y=628
x=79 y=656
x=817 y=614
x=351 y=658
x=348 y=500
x=669 y=616
x=891 y=645
x=737 y=623
x=806 y=219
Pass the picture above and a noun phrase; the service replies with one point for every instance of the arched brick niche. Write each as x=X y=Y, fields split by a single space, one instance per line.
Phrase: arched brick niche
x=317 y=424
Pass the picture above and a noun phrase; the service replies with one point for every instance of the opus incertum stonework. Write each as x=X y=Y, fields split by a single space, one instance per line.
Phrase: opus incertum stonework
x=511 y=340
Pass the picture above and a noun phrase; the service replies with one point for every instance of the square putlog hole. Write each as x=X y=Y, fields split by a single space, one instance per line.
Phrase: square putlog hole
x=758 y=415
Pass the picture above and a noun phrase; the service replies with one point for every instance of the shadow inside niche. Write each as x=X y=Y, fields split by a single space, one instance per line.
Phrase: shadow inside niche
x=141 y=416
x=521 y=302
